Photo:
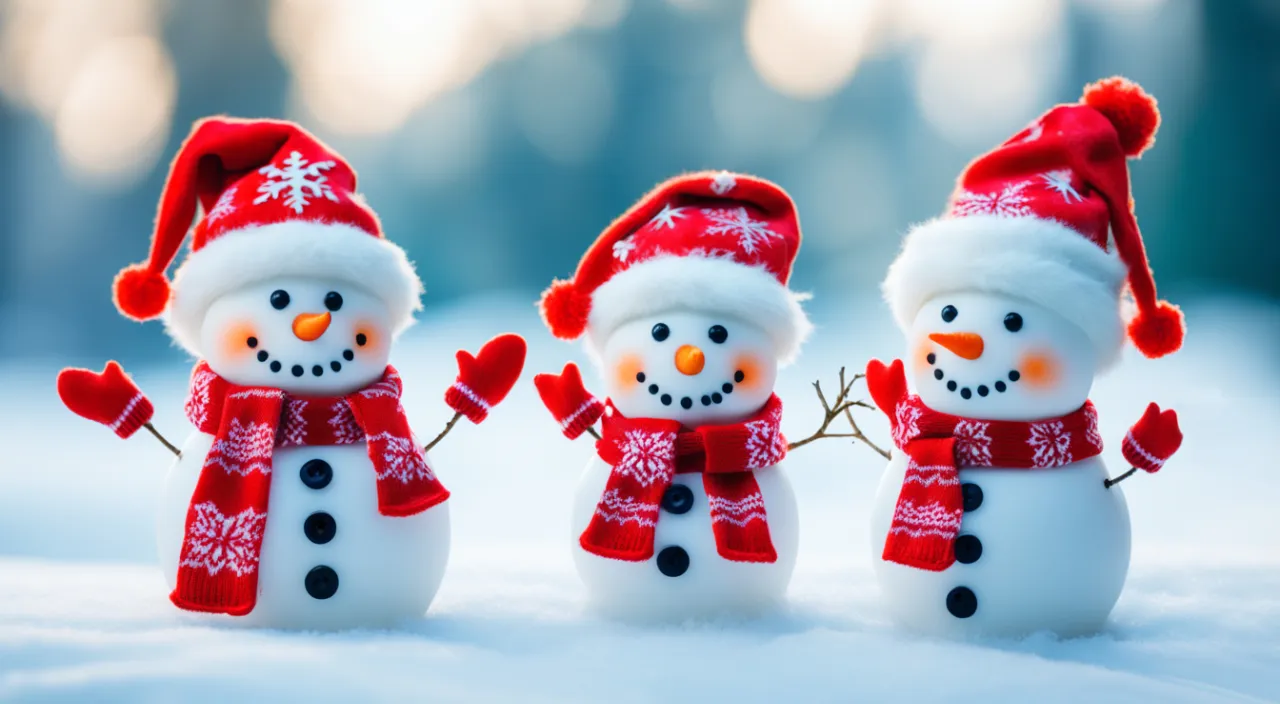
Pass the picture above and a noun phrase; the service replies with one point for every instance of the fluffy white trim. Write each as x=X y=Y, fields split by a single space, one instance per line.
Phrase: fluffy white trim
x=1042 y=261
x=700 y=284
x=291 y=248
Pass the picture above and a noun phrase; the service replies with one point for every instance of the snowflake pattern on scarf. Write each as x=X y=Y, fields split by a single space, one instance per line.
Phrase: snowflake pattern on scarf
x=647 y=457
x=1052 y=444
x=217 y=542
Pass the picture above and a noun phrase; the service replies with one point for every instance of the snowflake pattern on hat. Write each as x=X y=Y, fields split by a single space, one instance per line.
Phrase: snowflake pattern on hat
x=298 y=180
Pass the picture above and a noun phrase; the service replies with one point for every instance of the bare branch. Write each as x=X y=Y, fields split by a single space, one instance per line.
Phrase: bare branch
x=447 y=427
x=831 y=411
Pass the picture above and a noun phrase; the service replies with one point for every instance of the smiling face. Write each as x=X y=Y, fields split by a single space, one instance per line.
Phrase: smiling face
x=694 y=368
x=307 y=337
x=995 y=357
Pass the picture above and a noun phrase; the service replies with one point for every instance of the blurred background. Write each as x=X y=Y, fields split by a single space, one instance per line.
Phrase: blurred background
x=496 y=138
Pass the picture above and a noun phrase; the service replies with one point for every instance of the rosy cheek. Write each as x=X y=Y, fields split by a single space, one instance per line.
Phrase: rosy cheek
x=369 y=339
x=751 y=369
x=625 y=372
x=1040 y=370
x=920 y=356
x=236 y=339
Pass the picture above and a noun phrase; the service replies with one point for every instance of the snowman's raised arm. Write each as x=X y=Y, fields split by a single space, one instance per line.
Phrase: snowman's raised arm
x=574 y=408
x=832 y=410
x=484 y=380
x=1150 y=442
x=111 y=398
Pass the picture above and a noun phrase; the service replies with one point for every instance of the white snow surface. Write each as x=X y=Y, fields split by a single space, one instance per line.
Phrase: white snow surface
x=84 y=614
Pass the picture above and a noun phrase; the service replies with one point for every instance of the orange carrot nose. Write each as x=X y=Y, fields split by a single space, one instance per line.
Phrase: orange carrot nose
x=964 y=344
x=690 y=360
x=310 y=326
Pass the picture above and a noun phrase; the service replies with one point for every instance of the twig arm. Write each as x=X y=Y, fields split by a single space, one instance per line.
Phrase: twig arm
x=831 y=411
x=447 y=427
x=593 y=433
x=163 y=440
x=1108 y=483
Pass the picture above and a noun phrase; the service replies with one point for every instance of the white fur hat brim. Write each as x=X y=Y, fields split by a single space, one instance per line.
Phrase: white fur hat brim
x=1039 y=260
x=294 y=248
x=700 y=284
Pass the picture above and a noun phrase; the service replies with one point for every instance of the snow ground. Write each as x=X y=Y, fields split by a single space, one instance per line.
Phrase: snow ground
x=83 y=614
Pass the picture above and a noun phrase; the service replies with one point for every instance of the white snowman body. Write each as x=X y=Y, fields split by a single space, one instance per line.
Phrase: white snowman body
x=1049 y=551
x=387 y=569
x=711 y=585
x=329 y=559
x=663 y=366
x=1039 y=549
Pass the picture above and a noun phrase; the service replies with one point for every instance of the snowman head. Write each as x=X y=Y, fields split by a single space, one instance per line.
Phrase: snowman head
x=997 y=357
x=697 y=368
x=287 y=269
x=309 y=337
x=685 y=300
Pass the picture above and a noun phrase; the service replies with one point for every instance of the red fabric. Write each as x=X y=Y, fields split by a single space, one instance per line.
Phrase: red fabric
x=646 y=453
x=1070 y=166
x=1153 y=439
x=710 y=214
x=234 y=169
x=927 y=517
x=108 y=397
x=486 y=379
x=218 y=567
x=564 y=394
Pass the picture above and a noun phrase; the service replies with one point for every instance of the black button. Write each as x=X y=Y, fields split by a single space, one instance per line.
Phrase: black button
x=321 y=582
x=962 y=602
x=968 y=549
x=316 y=474
x=320 y=528
x=677 y=499
x=972 y=494
x=673 y=561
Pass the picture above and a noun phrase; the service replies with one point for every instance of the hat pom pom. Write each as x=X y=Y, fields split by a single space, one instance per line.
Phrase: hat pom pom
x=1131 y=110
x=1159 y=331
x=140 y=293
x=565 y=310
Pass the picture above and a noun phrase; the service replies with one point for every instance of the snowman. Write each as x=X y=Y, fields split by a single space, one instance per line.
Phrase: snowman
x=302 y=499
x=685 y=511
x=996 y=515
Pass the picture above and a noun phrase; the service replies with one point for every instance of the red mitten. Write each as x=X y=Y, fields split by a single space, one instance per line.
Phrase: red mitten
x=485 y=379
x=110 y=398
x=1153 y=439
x=887 y=384
x=569 y=401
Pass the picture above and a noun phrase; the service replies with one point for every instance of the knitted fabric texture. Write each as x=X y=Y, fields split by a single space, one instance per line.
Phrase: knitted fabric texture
x=646 y=453
x=218 y=566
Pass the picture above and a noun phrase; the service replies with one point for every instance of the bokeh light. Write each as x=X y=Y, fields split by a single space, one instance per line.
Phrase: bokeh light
x=363 y=66
x=808 y=48
x=97 y=71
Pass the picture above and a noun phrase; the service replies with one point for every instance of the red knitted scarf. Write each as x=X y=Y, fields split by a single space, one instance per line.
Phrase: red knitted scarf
x=646 y=453
x=926 y=520
x=218 y=567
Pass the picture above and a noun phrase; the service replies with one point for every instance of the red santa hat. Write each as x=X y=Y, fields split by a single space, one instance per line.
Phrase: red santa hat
x=1047 y=217
x=714 y=242
x=275 y=202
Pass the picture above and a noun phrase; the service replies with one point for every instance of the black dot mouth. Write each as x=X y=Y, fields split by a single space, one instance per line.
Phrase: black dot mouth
x=298 y=370
x=713 y=398
x=966 y=392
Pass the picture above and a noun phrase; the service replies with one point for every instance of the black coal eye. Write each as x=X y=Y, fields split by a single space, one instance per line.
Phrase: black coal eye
x=279 y=299
x=661 y=332
x=333 y=300
x=949 y=313
x=718 y=334
x=1013 y=322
